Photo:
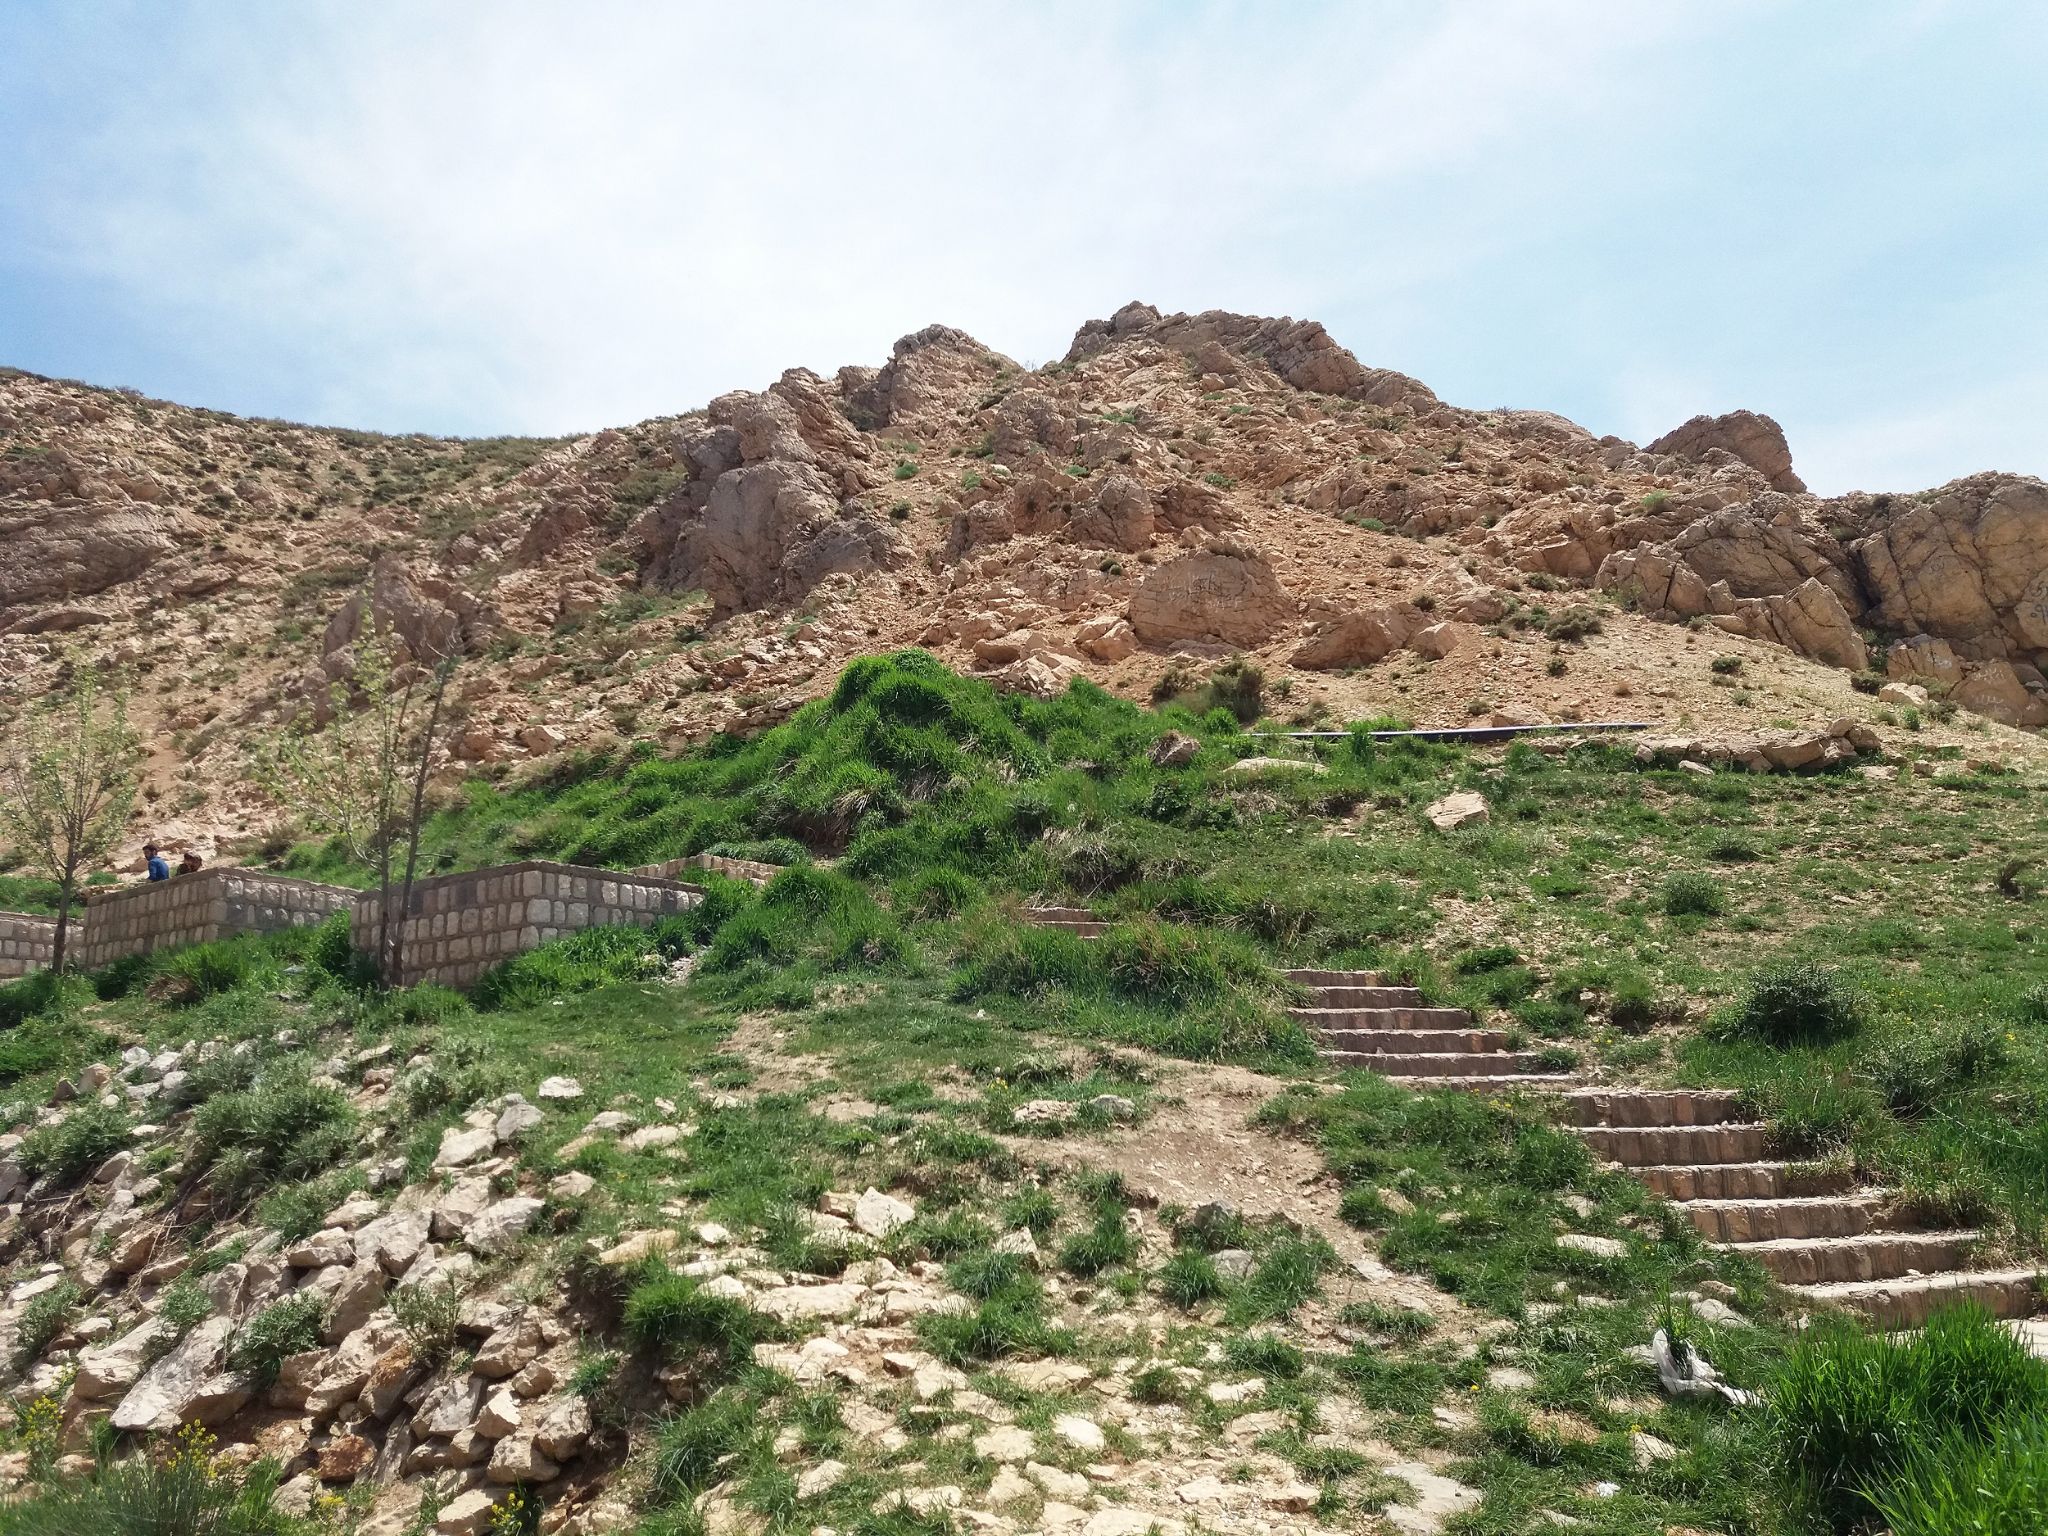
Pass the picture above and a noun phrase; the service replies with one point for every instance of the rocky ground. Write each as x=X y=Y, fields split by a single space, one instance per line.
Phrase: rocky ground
x=1177 y=490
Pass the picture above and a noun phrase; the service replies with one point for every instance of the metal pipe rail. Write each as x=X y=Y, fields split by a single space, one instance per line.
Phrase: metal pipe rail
x=1466 y=732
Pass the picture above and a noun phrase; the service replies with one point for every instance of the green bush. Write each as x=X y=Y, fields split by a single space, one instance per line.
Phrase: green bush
x=42 y=1320
x=576 y=962
x=1963 y=1487
x=428 y=1314
x=283 y=1127
x=1852 y=1413
x=1190 y=1278
x=199 y=971
x=1795 y=1003
x=689 y=1446
x=79 y=1142
x=282 y=1329
x=184 y=1493
x=675 y=1317
x=1688 y=893
x=1913 y=1072
x=44 y=995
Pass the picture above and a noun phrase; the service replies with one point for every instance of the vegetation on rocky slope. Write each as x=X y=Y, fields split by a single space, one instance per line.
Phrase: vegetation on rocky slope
x=1865 y=964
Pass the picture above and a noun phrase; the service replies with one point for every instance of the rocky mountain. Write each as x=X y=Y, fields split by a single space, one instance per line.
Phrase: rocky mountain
x=1175 y=490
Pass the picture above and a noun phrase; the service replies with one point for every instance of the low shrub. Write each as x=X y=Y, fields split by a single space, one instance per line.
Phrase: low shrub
x=675 y=1317
x=1912 y=1072
x=191 y=975
x=428 y=1315
x=1854 y=1418
x=79 y=1142
x=576 y=962
x=1190 y=1278
x=41 y=995
x=1795 y=1003
x=283 y=1127
x=42 y=1320
x=186 y=1491
x=1689 y=893
x=283 y=1329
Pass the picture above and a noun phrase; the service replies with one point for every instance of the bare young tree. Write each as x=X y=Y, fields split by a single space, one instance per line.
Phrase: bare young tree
x=67 y=783
x=362 y=778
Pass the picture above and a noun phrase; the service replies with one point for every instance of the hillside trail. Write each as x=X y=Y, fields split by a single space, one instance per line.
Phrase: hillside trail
x=1829 y=1237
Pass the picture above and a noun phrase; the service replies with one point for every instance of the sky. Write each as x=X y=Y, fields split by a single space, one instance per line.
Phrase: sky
x=496 y=216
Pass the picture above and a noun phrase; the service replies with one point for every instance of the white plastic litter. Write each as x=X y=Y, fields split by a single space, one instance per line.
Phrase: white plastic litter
x=1686 y=1373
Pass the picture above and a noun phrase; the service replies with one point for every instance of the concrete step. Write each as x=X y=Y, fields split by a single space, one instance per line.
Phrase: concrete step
x=1410 y=1041
x=1531 y=1081
x=1436 y=1064
x=1873 y=1256
x=1383 y=1018
x=1313 y=978
x=1643 y=1107
x=1758 y=1221
x=1908 y=1303
x=1366 y=997
x=1742 y=1181
x=1075 y=920
x=1639 y=1146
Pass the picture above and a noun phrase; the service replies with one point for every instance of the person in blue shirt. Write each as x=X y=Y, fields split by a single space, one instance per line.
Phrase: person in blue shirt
x=159 y=866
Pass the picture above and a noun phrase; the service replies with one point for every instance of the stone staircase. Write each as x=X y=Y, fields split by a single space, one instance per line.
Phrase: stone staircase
x=1815 y=1231
x=1078 y=921
x=1360 y=1021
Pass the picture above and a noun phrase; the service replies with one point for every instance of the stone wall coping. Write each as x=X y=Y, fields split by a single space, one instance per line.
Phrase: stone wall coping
x=420 y=887
x=208 y=876
x=34 y=919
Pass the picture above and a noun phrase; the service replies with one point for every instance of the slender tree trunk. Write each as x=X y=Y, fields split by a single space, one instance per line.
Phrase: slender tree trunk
x=65 y=886
x=413 y=813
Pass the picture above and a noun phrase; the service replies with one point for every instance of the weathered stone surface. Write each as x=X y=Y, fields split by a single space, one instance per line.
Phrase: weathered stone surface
x=394 y=1240
x=169 y=1392
x=498 y=1228
x=1227 y=593
x=1756 y=440
x=1465 y=808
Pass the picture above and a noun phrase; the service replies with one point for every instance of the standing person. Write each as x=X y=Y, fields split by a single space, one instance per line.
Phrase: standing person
x=159 y=867
x=190 y=864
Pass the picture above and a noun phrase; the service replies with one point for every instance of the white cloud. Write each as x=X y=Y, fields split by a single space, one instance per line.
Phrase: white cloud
x=526 y=216
x=535 y=217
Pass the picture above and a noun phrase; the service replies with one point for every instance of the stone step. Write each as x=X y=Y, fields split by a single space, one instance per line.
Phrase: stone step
x=1058 y=915
x=1436 y=1064
x=1366 y=997
x=1410 y=1041
x=1758 y=1221
x=1742 y=1181
x=1335 y=978
x=1909 y=1302
x=1874 y=1256
x=1532 y=1081
x=1383 y=1018
x=1640 y=1146
x=1644 y=1107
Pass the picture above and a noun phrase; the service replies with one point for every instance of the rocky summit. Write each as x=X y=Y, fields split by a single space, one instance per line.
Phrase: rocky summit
x=1176 y=490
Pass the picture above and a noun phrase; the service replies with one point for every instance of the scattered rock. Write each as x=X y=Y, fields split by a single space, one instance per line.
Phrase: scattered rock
x=1466 y=808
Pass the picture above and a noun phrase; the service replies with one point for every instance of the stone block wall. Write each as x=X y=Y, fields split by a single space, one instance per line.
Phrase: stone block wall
x=751 y=870
x=198 y=908
x=26 y=942
x=461 y=925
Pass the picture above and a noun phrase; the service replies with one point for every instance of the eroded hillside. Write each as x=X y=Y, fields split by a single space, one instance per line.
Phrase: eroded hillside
x=1175 y=490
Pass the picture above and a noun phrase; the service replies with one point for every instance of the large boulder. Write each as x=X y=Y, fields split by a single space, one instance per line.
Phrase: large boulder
x=929 y=373
x=1300 y=351
x=1353 y=639
x=1967 y=563
x=1227 y=593
x=1756 y=440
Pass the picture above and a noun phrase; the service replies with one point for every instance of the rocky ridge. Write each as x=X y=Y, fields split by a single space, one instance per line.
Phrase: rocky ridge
x=1178 y=487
